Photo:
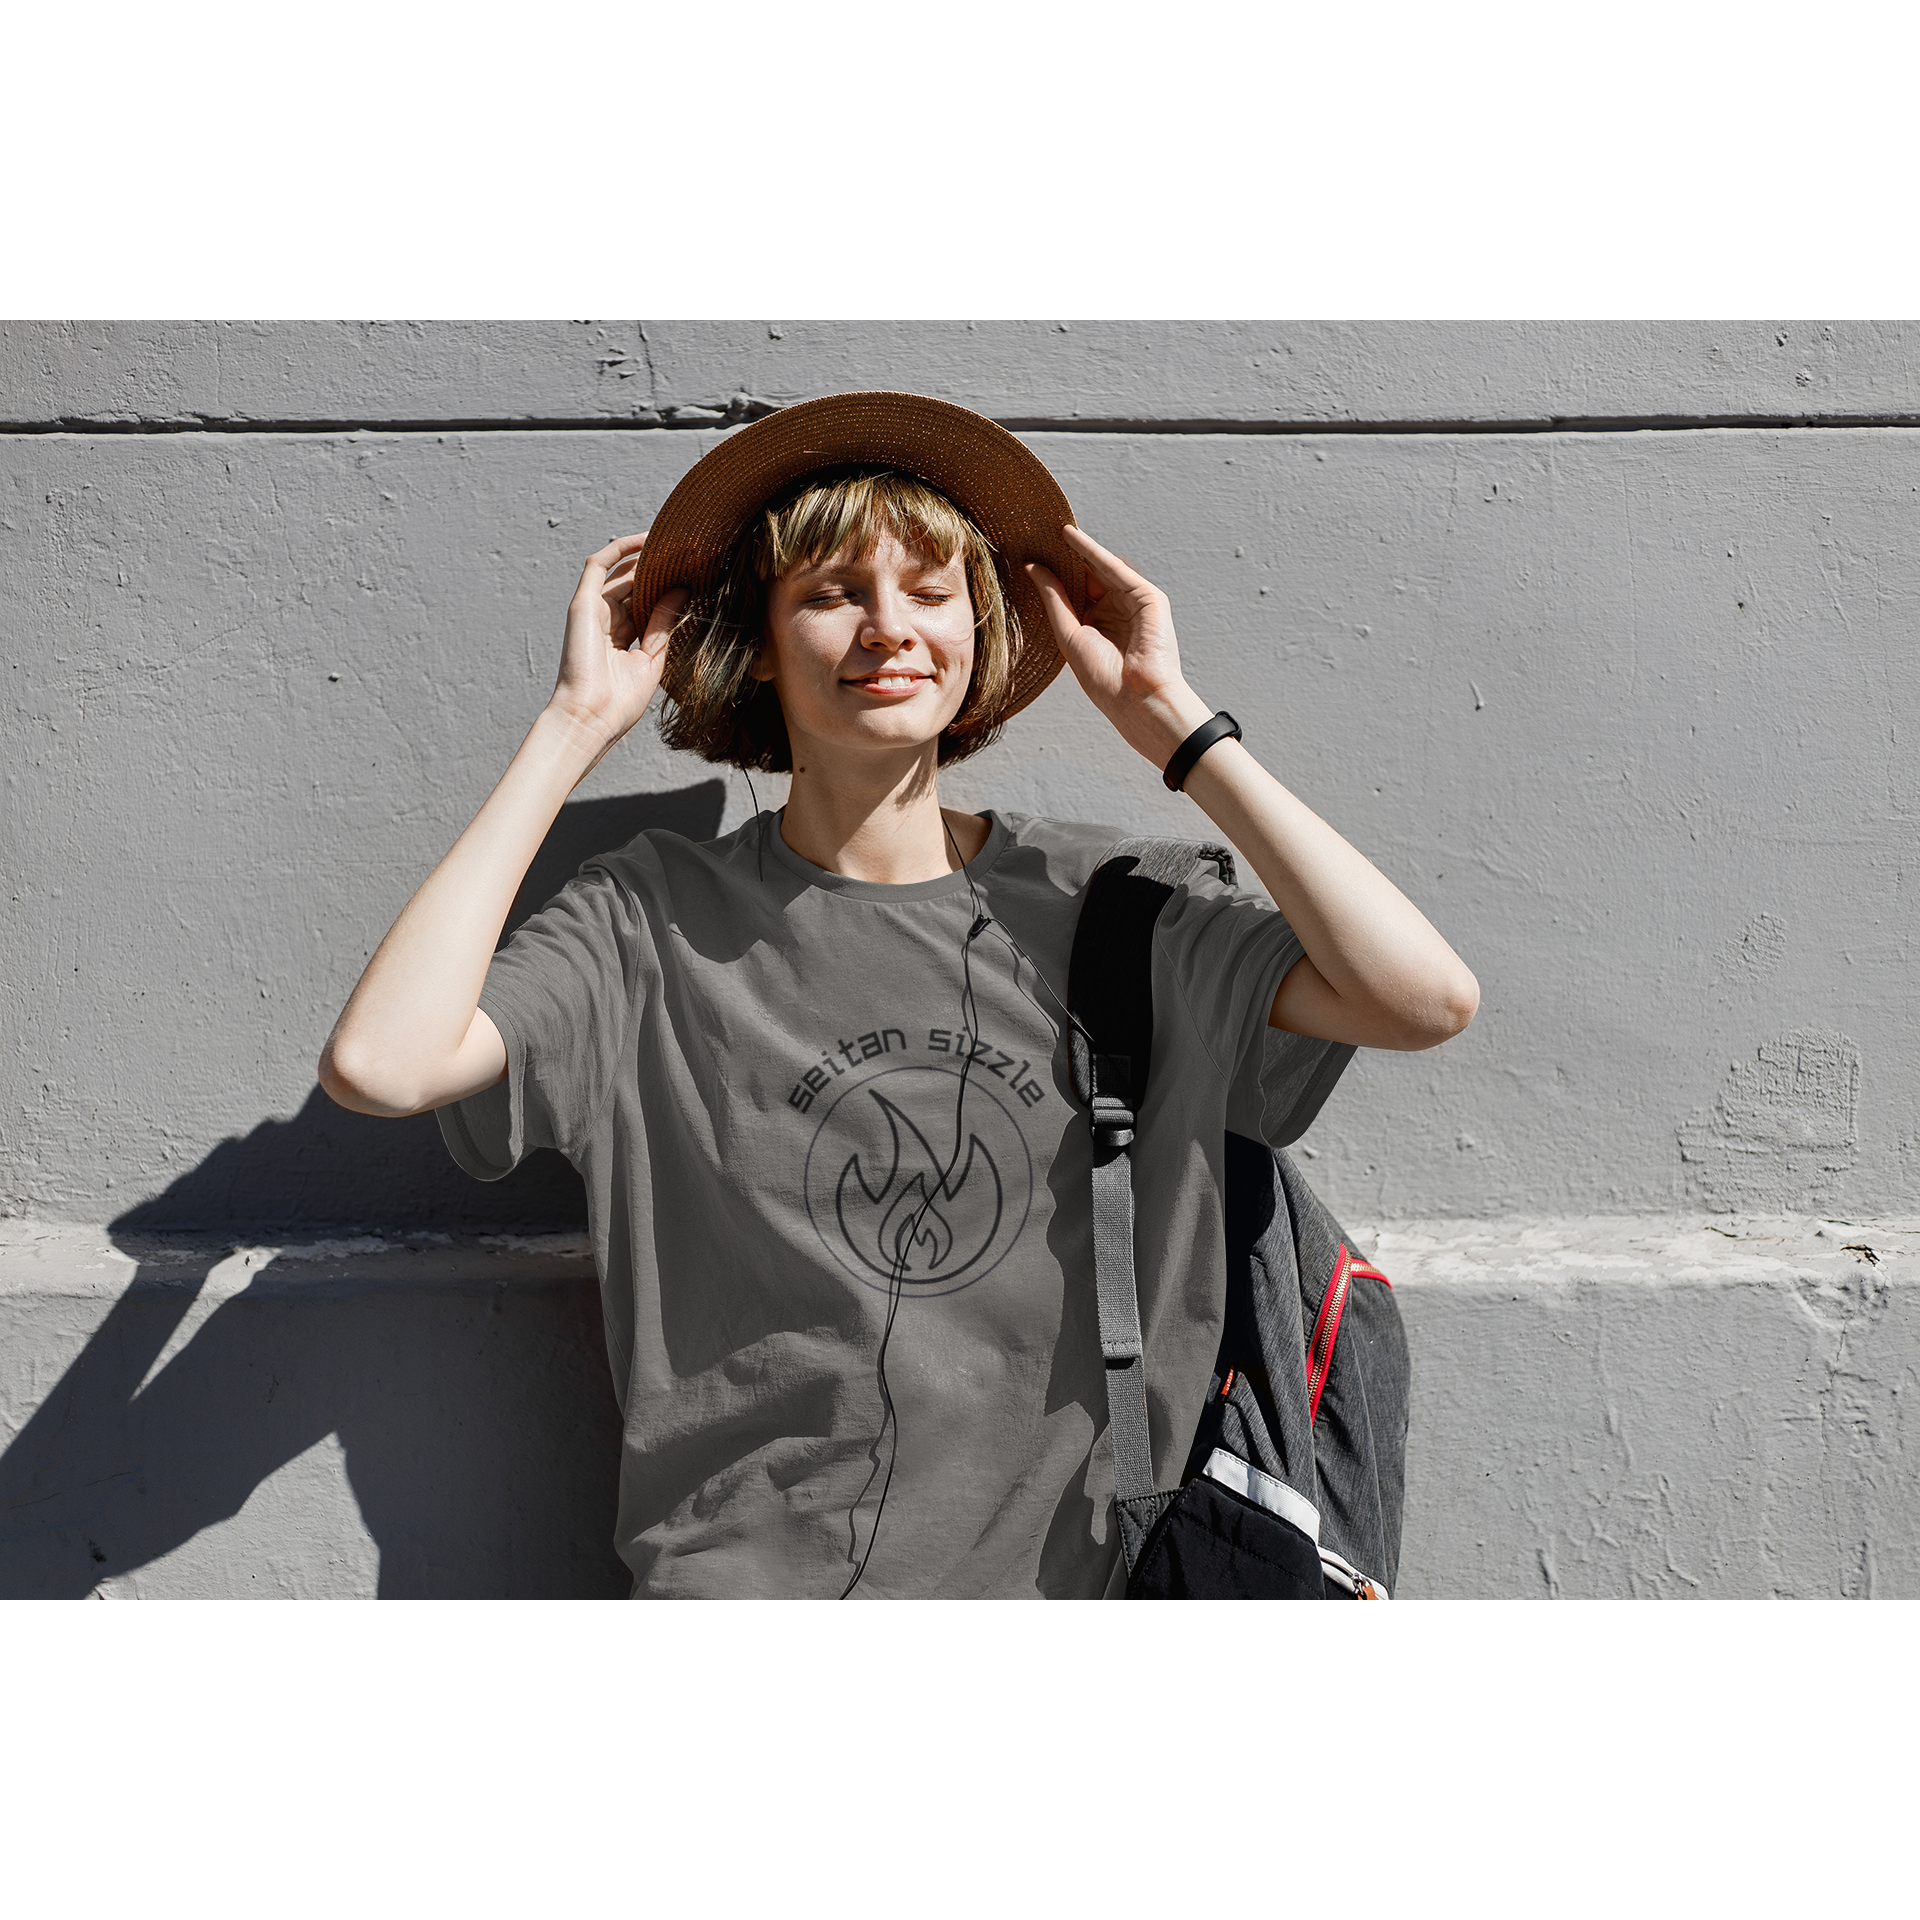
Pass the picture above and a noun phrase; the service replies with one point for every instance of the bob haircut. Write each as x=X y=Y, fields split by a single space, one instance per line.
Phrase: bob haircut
x=723 y=714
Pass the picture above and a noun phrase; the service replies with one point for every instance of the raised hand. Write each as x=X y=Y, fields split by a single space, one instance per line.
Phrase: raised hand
x=606 y=680
x=1123 y=653
x=413 y=1035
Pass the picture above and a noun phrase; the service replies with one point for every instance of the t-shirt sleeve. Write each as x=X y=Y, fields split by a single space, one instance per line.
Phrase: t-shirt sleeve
x=561 y=991
x=1228 y=952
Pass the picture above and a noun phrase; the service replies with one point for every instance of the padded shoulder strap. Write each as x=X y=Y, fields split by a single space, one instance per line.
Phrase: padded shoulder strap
x=1110 y=998
x=1110 y=976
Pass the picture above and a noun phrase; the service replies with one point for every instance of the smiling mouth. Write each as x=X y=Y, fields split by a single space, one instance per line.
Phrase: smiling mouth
x=890 y=682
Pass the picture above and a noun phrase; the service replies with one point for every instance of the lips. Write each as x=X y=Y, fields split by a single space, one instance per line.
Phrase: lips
x=890 y=682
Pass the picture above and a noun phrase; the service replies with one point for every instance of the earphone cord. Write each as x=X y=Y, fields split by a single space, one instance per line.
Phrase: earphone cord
x=759 y=831
x=1020 y=953
x=906 y=1241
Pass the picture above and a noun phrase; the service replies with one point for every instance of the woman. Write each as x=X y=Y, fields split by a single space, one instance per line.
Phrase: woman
x=813 y=1072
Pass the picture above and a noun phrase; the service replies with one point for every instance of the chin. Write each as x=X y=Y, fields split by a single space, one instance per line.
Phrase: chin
x=896 y=728
x=896 y=739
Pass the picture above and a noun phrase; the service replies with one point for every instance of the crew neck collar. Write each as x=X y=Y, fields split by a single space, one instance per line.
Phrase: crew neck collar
x=976 y=869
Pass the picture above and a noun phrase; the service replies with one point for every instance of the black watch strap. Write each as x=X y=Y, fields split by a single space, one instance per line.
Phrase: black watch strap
x=1223 y=726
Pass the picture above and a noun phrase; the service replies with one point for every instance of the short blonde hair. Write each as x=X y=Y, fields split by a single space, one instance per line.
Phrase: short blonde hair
x=722 y=713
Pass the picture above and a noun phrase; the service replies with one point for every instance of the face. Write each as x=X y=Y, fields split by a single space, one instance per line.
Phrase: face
x=869 y=653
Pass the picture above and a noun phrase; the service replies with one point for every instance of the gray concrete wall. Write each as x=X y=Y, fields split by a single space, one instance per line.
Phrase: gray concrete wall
x=1235 y=374
x=1600 y=639
x=1615 y=1406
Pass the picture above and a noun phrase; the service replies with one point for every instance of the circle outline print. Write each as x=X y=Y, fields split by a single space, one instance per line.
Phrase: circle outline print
x=912 y=1193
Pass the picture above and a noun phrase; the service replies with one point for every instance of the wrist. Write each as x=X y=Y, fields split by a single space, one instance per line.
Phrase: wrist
x=1167 y=719
x=1217 y=730
x=572 y=740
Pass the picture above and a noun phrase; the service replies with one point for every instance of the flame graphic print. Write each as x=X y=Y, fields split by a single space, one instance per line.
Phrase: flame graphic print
x=885 y=1188
x=914 y=1232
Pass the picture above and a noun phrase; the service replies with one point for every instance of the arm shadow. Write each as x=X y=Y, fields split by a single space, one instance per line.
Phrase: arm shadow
x=475 y=1409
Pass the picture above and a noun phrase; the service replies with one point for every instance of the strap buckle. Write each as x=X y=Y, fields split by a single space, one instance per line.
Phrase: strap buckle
x=1112 y=1122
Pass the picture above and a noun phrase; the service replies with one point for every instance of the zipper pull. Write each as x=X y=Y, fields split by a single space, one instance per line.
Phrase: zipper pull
x=1226 y=1385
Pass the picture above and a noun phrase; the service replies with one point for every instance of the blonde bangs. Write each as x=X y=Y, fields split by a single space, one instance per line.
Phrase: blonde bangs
x=853 y=515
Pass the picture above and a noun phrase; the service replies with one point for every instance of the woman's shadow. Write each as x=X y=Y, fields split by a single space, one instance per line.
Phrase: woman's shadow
x=476 y=1413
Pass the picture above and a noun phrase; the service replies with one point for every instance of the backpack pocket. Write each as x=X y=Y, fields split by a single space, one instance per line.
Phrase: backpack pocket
x=1327 y=1323
x=1231 y=1533
x=1357 y=1380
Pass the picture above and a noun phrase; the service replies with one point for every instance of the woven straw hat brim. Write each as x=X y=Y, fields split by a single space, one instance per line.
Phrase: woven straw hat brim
x=1006 y=490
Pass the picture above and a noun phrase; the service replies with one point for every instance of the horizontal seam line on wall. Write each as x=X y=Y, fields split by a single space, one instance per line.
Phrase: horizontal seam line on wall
x=1651 y=423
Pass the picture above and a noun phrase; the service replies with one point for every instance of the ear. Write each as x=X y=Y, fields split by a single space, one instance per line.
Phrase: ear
x=762 y=668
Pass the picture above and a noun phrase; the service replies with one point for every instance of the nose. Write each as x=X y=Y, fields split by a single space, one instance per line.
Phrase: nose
x=888 y=627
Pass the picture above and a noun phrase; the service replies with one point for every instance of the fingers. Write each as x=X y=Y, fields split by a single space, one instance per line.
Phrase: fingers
x=1060 y=614
x=660 y=622
x=614 y=551
x=617 y=597
x=1109 y=568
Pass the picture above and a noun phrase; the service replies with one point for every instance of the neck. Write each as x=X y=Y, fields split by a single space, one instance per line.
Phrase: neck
x=877 y=819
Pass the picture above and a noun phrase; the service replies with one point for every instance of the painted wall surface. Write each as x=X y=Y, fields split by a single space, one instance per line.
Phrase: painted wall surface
x=410 y=1420
x=1649 y=1407
x=1599 y=639
x=1240 y=373
x=1630 y=716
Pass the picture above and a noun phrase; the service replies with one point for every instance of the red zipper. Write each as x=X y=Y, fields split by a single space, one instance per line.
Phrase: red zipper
x=1326 y=1326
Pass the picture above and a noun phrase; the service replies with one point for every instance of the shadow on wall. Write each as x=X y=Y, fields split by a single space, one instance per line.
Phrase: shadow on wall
x=328 y=1168
x=477 y=1419
x=478 y=1424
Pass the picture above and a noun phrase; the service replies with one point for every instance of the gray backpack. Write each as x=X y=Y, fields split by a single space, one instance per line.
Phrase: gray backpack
x=1293 y=1482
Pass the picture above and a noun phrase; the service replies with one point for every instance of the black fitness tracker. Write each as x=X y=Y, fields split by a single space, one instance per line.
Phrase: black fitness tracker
x=1223 y=726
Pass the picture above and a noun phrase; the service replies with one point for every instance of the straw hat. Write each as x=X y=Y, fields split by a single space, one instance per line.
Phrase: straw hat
x=1007 y=491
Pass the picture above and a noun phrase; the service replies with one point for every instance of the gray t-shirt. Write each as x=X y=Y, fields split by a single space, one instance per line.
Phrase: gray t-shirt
x=755 y=1064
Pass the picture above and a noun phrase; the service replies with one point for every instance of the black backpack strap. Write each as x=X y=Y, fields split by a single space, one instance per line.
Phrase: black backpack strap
x=1110 y=998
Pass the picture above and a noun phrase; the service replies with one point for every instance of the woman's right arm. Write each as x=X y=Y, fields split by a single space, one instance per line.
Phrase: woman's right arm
x=412 y=1036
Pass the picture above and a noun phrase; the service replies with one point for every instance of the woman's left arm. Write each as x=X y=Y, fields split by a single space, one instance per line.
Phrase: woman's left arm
x=1376 y=974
